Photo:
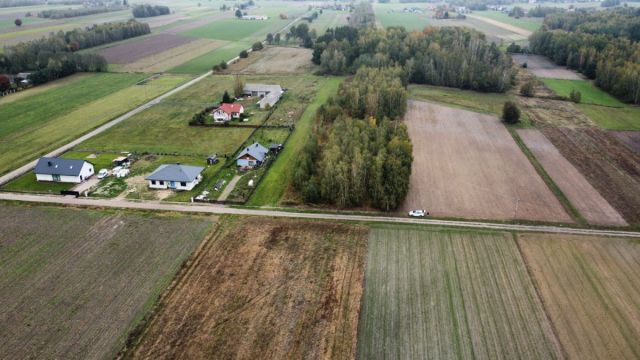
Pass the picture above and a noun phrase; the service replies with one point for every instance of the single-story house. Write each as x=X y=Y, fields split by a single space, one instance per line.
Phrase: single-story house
x=252 y=156
x=63 y=170
x=226 y=112
x=175 y=177
x=269 y=94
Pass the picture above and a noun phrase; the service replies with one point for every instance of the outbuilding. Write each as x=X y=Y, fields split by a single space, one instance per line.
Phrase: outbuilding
x=269 y=94
x=63 y=170
x=175 y=177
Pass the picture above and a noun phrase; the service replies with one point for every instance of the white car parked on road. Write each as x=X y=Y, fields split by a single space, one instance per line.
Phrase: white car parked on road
x=418 y=213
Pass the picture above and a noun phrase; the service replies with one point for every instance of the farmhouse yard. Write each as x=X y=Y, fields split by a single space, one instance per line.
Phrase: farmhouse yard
x=264 y=288
x=467 y=164
x=75 y=282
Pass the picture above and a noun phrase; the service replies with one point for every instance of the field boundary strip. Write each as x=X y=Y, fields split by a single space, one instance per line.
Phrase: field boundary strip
x=222 y=210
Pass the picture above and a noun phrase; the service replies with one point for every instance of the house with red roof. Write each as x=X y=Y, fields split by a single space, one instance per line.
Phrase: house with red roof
x=226 y=112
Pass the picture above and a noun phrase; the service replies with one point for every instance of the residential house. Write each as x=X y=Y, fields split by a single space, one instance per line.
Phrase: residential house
x=269 y=94
x=252 y=156
x=255 y=17
x=175 y=177
x=63 y=170
x=226 y=112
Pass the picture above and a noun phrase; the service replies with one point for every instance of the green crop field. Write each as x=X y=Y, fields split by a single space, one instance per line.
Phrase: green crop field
x=204 y=63
x=591 y=94
x=228 y=29
x=619 y=118
x=329 y=19
x=391 y=15
x=450 y=295
x=278 y=179
x=490 y=103
x=527 y=23
x=76 y=282
x=32 y=126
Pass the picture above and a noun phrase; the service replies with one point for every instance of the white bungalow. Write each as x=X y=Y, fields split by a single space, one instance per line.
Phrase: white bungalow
x=63 y=170
x=175 y=177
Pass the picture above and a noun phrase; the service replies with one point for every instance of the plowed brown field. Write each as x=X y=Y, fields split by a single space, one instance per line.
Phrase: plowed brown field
x=591 y=291
x=630 y=138
x=593 y=207
x=129 y=52
x=467 y=165
x=265 y=289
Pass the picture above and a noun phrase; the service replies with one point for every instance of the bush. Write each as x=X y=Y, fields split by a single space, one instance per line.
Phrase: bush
x=525 y=65
x=257 y=46
x=575 y=96
x=243 y=54
x=527 y=89
x=510 y=113
x=223 y=65
x=18 y=22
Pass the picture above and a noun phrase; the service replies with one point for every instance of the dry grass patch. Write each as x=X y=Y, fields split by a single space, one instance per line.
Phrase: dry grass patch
x=276 y=60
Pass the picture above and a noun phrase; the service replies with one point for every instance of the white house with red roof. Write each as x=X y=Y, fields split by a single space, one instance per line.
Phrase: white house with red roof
x=226 y=112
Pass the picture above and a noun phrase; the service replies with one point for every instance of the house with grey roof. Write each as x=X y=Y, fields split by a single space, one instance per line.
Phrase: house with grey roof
x=175 y=177
x=269 y=94
x=252 y=156
x=63 y=170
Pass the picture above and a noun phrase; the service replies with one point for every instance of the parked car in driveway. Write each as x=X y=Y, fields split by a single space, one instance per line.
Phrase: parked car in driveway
x=103 y=173
x=418 y=213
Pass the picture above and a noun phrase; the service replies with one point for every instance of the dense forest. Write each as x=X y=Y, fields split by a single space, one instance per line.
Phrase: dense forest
x=67 y=13
x=143 y=11
x=448 y=56
x=55 y=57
x=602 y=45
x=352 y=158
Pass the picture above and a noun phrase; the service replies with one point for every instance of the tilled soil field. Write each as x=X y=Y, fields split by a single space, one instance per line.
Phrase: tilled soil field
x=467 y=164
x=593 y=207
x=173 y=57
x=545 y=68
x=591 y=291
x=630 y=138
x=264 y=289
x=135 y=50
x=74 y=283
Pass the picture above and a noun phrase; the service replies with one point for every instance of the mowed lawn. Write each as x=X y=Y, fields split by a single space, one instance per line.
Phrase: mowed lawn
x=228 y=29
x=450 y=295
x=75 y=282
x=35 y=125
x=527 y=23
x=591 y=290
x=591 y=94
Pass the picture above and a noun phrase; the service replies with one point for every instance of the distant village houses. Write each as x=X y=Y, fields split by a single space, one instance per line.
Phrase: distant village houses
x=255 y=17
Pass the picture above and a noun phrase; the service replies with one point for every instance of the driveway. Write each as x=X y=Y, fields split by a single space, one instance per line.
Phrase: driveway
x=81 y=188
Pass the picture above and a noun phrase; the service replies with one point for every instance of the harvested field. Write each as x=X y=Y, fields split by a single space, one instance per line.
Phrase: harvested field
x=591 y=292
x=135 y=50
x=467 y=165
x=267 y=289
x=611 y=167
x=545 y=112
x=450 y=295
x=514 y=29
x=198 y=23
x=276 y=60
x=545 y=68
x=630 y=138
x=74 y=283
x=171 y=58
x=591 y=205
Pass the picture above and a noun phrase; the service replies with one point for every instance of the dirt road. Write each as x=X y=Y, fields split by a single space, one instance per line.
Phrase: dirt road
x=223 y=210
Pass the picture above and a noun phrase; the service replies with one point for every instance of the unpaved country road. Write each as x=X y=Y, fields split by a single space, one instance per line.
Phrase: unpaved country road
x=221 y=210
x=513 y=29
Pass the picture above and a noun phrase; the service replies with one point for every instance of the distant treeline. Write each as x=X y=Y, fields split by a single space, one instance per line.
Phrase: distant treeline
x=543 y=11
x=448 y=56
x=602 y=45
x=143 y=11
x=55 y=57
x=16 y=3
x=67 y=13
x=352 y=158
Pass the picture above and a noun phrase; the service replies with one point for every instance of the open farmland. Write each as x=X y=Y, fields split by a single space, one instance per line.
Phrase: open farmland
x=590 y=94
x=171 y=58
x=591 y=205
x=275 y=60
x=527 y=23
x=591 y=292
x=264 y=288
x=545 y=68
x=450 y=295
x=34 y=125
x=630 y=138
x=132 y=51
x=467 y=165
x=74 y=283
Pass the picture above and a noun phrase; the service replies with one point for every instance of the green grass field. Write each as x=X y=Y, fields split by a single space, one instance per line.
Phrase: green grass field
x=591 y=94
x=329 y=19
x=7 y=24
x=391 y=15
x=35 y=125
x=228 y=29
x=624 y=118
x=275 y=183
x=450 y=295
x=204 y=63
x=531 y=24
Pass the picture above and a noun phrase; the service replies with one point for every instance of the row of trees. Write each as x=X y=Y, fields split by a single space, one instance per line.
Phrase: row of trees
x=448 y=56
x=16 y=3
x=599 y=51
x=354 y=158
x=619 y=22
x=67 y=13
x=143 y=11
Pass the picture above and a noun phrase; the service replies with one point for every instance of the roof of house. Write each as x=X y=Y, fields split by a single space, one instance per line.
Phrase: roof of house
x=262 y=88
x=230 y=108
x=59 y=166
x=175 y=172
x=256 y=151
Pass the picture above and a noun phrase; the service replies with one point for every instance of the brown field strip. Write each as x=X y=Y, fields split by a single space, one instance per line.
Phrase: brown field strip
x=171 y=58
x=276 y=60
x=267 y=289
x=467 y=164
x=630 y=138
x=591 y=205
x=542 y=67
x=73 y=282
x=591 y=291
x=132 y=51
x=450 y=295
